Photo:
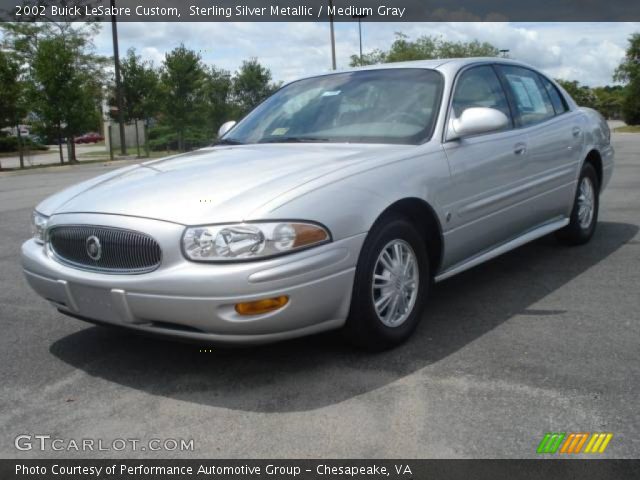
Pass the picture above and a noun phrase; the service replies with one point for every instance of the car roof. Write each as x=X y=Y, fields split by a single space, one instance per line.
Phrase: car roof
x=449 y=66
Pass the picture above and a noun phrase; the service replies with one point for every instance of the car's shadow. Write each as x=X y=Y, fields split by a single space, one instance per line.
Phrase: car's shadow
x=314 y=372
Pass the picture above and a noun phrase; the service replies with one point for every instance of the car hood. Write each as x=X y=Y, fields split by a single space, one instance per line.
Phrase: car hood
x=217 y=184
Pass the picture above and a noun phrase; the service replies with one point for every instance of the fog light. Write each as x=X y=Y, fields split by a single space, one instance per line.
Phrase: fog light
x=261 y=306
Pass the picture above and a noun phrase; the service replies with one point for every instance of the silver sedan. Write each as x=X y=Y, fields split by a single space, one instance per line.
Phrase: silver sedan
x=333 y=205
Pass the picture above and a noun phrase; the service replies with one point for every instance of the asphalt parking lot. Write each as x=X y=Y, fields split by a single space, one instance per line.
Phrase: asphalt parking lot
x=545 y=338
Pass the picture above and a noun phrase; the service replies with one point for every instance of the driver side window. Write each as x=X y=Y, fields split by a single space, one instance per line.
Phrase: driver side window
x=480 y=87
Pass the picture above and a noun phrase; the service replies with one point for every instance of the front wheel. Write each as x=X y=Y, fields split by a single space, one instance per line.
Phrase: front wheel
x=584 y=216
x=391 y=283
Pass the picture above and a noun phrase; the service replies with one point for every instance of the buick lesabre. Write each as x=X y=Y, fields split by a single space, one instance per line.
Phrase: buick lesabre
x=333 y=205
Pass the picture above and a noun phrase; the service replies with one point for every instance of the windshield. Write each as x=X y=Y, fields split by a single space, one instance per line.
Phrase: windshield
x=370 y=106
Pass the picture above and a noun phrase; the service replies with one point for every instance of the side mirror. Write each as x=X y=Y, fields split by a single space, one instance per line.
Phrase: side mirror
x=225 y=127
x=476 y=120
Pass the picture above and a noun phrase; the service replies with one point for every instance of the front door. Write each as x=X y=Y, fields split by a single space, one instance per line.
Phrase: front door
x=486 y=171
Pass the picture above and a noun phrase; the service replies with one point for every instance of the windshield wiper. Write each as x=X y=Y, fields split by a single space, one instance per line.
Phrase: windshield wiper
x=294 y=140
x=227 y=141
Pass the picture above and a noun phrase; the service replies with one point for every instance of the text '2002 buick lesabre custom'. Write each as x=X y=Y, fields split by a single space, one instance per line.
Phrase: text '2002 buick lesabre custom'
x=334 y=204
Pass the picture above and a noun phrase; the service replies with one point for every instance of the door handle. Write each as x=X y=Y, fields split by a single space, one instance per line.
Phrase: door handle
x=520 y=149
x=576 y=131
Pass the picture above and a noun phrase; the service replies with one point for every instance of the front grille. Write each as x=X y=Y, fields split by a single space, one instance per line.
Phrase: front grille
x=104 y=249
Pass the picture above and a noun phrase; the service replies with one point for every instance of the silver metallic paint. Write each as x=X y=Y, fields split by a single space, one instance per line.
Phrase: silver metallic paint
x=489 y=192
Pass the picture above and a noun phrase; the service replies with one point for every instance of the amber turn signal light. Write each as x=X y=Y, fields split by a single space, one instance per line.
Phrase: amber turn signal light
x=309 y=234
x=265 y=305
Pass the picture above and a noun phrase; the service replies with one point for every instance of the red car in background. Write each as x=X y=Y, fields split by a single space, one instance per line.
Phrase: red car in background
x=89 y=138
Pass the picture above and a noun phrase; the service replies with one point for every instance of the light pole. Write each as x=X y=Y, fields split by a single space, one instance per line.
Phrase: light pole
x=504 y=52
x=116 y=59
x=360 y=17
x=333 y=38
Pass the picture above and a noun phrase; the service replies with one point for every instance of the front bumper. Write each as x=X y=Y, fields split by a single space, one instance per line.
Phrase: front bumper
x=195 y=300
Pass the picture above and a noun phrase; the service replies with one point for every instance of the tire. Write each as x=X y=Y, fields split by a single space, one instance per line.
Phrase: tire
x=368 y=328
x=582 y=225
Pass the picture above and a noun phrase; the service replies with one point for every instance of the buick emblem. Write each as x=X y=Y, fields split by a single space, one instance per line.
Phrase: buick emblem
x=94 y=249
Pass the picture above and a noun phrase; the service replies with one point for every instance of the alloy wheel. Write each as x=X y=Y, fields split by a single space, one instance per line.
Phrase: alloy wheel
x=395 y=283
x=585 y=203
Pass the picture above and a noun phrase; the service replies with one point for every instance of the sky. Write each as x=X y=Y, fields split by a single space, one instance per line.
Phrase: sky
x=587 y=52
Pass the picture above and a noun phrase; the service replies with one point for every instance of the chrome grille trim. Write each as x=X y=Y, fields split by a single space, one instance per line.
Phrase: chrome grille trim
x=123 y=251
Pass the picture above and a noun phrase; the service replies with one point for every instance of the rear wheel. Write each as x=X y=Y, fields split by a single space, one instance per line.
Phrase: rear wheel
x=391 y=282
x=584 y=216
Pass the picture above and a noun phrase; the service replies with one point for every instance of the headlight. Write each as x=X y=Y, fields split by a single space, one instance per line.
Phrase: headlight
x=38 y=226
x=244 y=241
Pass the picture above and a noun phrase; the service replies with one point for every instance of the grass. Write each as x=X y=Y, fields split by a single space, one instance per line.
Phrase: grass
x=152 y=155
x=93 y=154
x=163 y=153
x=25 y=152
x=57 y=165
x=92 y=158
x=628 y=129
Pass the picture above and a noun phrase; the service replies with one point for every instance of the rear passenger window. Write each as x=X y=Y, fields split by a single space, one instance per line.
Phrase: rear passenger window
x=559 y=104
x=479 y=87
x=532 y=101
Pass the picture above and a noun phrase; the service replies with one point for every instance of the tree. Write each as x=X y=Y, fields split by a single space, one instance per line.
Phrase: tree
x=140 y=88
x=12 y=92
x=24 y=36
x=65 y=96
x=197 y=99
x=217 y=93
x=609 y=100
x=425 y=47
x=581 y=94
x=628 y=72
x=30 y=42
x=251 y=85
x=182 y=77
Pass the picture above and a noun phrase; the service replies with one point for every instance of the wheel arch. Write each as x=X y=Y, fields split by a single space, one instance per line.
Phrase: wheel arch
x=595 y=159
x=424 y=218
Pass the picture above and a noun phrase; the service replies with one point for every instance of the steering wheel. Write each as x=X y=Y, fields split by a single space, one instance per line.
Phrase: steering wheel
x=412 y=117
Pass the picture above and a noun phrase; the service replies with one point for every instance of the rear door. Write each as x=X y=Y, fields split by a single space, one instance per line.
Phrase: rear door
x=485 y=170
x=554 y=142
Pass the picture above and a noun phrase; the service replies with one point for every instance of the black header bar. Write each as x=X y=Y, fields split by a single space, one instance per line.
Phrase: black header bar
x=320 y=10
